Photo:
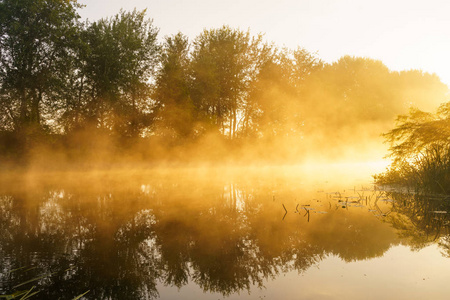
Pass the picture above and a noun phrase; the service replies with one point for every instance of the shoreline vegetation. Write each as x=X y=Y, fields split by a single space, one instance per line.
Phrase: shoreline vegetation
x=81 y=95
x=420 y=150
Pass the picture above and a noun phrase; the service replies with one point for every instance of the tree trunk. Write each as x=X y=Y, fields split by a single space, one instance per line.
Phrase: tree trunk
x=35 y=116
x=23 y=110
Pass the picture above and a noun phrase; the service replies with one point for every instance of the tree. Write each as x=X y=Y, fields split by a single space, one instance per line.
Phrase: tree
x=420 y=89
x=36 y=39
x=275 y=102
x=368 y=91
x=420 y=149
x=118 y=63
x=224 y=62
x=172 y=91
x=356 y=86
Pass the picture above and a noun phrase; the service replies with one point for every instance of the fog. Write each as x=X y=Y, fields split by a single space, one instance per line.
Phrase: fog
x=121 y=99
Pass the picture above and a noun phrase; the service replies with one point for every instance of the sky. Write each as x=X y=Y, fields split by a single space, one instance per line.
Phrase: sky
x=403 y=34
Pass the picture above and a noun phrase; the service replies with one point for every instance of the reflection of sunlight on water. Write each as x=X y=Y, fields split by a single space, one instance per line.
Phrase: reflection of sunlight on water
x=337 y=172
x=234 y=197
x=300 y=230
x=51 y=214
x=147 y=189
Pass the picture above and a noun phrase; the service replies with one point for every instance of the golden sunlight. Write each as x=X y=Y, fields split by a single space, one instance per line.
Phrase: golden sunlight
x=210 y=149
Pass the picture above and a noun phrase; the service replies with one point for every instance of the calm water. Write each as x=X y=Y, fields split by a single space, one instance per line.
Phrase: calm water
x=300 y=232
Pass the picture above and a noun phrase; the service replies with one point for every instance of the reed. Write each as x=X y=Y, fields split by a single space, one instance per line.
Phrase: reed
x=420 y=149
x=427 y=172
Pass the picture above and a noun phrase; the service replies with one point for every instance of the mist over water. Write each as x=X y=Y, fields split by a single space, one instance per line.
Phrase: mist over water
x=226 y=97
x=223 y=166
x=222 y=232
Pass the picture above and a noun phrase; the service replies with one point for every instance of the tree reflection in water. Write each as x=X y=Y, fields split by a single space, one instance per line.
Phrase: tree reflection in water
x=119 y=240
x=422 y=219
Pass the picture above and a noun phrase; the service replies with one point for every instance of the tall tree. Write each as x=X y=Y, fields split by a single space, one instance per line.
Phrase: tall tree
x=224 y=62
x=118 y=63
x=172 y=92
x=275 y=102
x=36 y=40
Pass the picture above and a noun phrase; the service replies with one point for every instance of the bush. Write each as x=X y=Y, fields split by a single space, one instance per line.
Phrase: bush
x=420 y=149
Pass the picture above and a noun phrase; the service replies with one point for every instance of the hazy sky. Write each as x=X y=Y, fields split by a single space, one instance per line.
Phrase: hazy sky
x=404 y=34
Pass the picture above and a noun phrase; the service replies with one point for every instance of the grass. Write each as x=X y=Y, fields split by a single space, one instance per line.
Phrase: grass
x=27 y=294
x=428 y=171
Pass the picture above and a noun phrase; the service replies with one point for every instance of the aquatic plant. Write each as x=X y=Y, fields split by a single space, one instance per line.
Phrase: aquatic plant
x=19 y=293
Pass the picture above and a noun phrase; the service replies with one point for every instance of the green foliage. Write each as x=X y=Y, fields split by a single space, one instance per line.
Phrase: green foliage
x=119 y=61
x=420 y=149
x=111 y=80
x=172 y=89
x=224 y=63
x=36 y=38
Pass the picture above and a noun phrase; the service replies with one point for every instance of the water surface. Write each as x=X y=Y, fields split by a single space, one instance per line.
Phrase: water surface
x=317 y=231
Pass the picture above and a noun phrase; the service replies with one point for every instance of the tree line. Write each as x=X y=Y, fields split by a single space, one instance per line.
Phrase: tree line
x=60 y=75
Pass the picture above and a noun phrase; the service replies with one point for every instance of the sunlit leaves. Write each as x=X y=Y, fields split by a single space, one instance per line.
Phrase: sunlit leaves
x=120 y=60
x=418 y=131
x=420 y=149
x=172 y=89
x=224 y=63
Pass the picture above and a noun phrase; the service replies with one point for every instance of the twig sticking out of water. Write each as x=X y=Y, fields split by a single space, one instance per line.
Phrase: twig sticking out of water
x=284 y=210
